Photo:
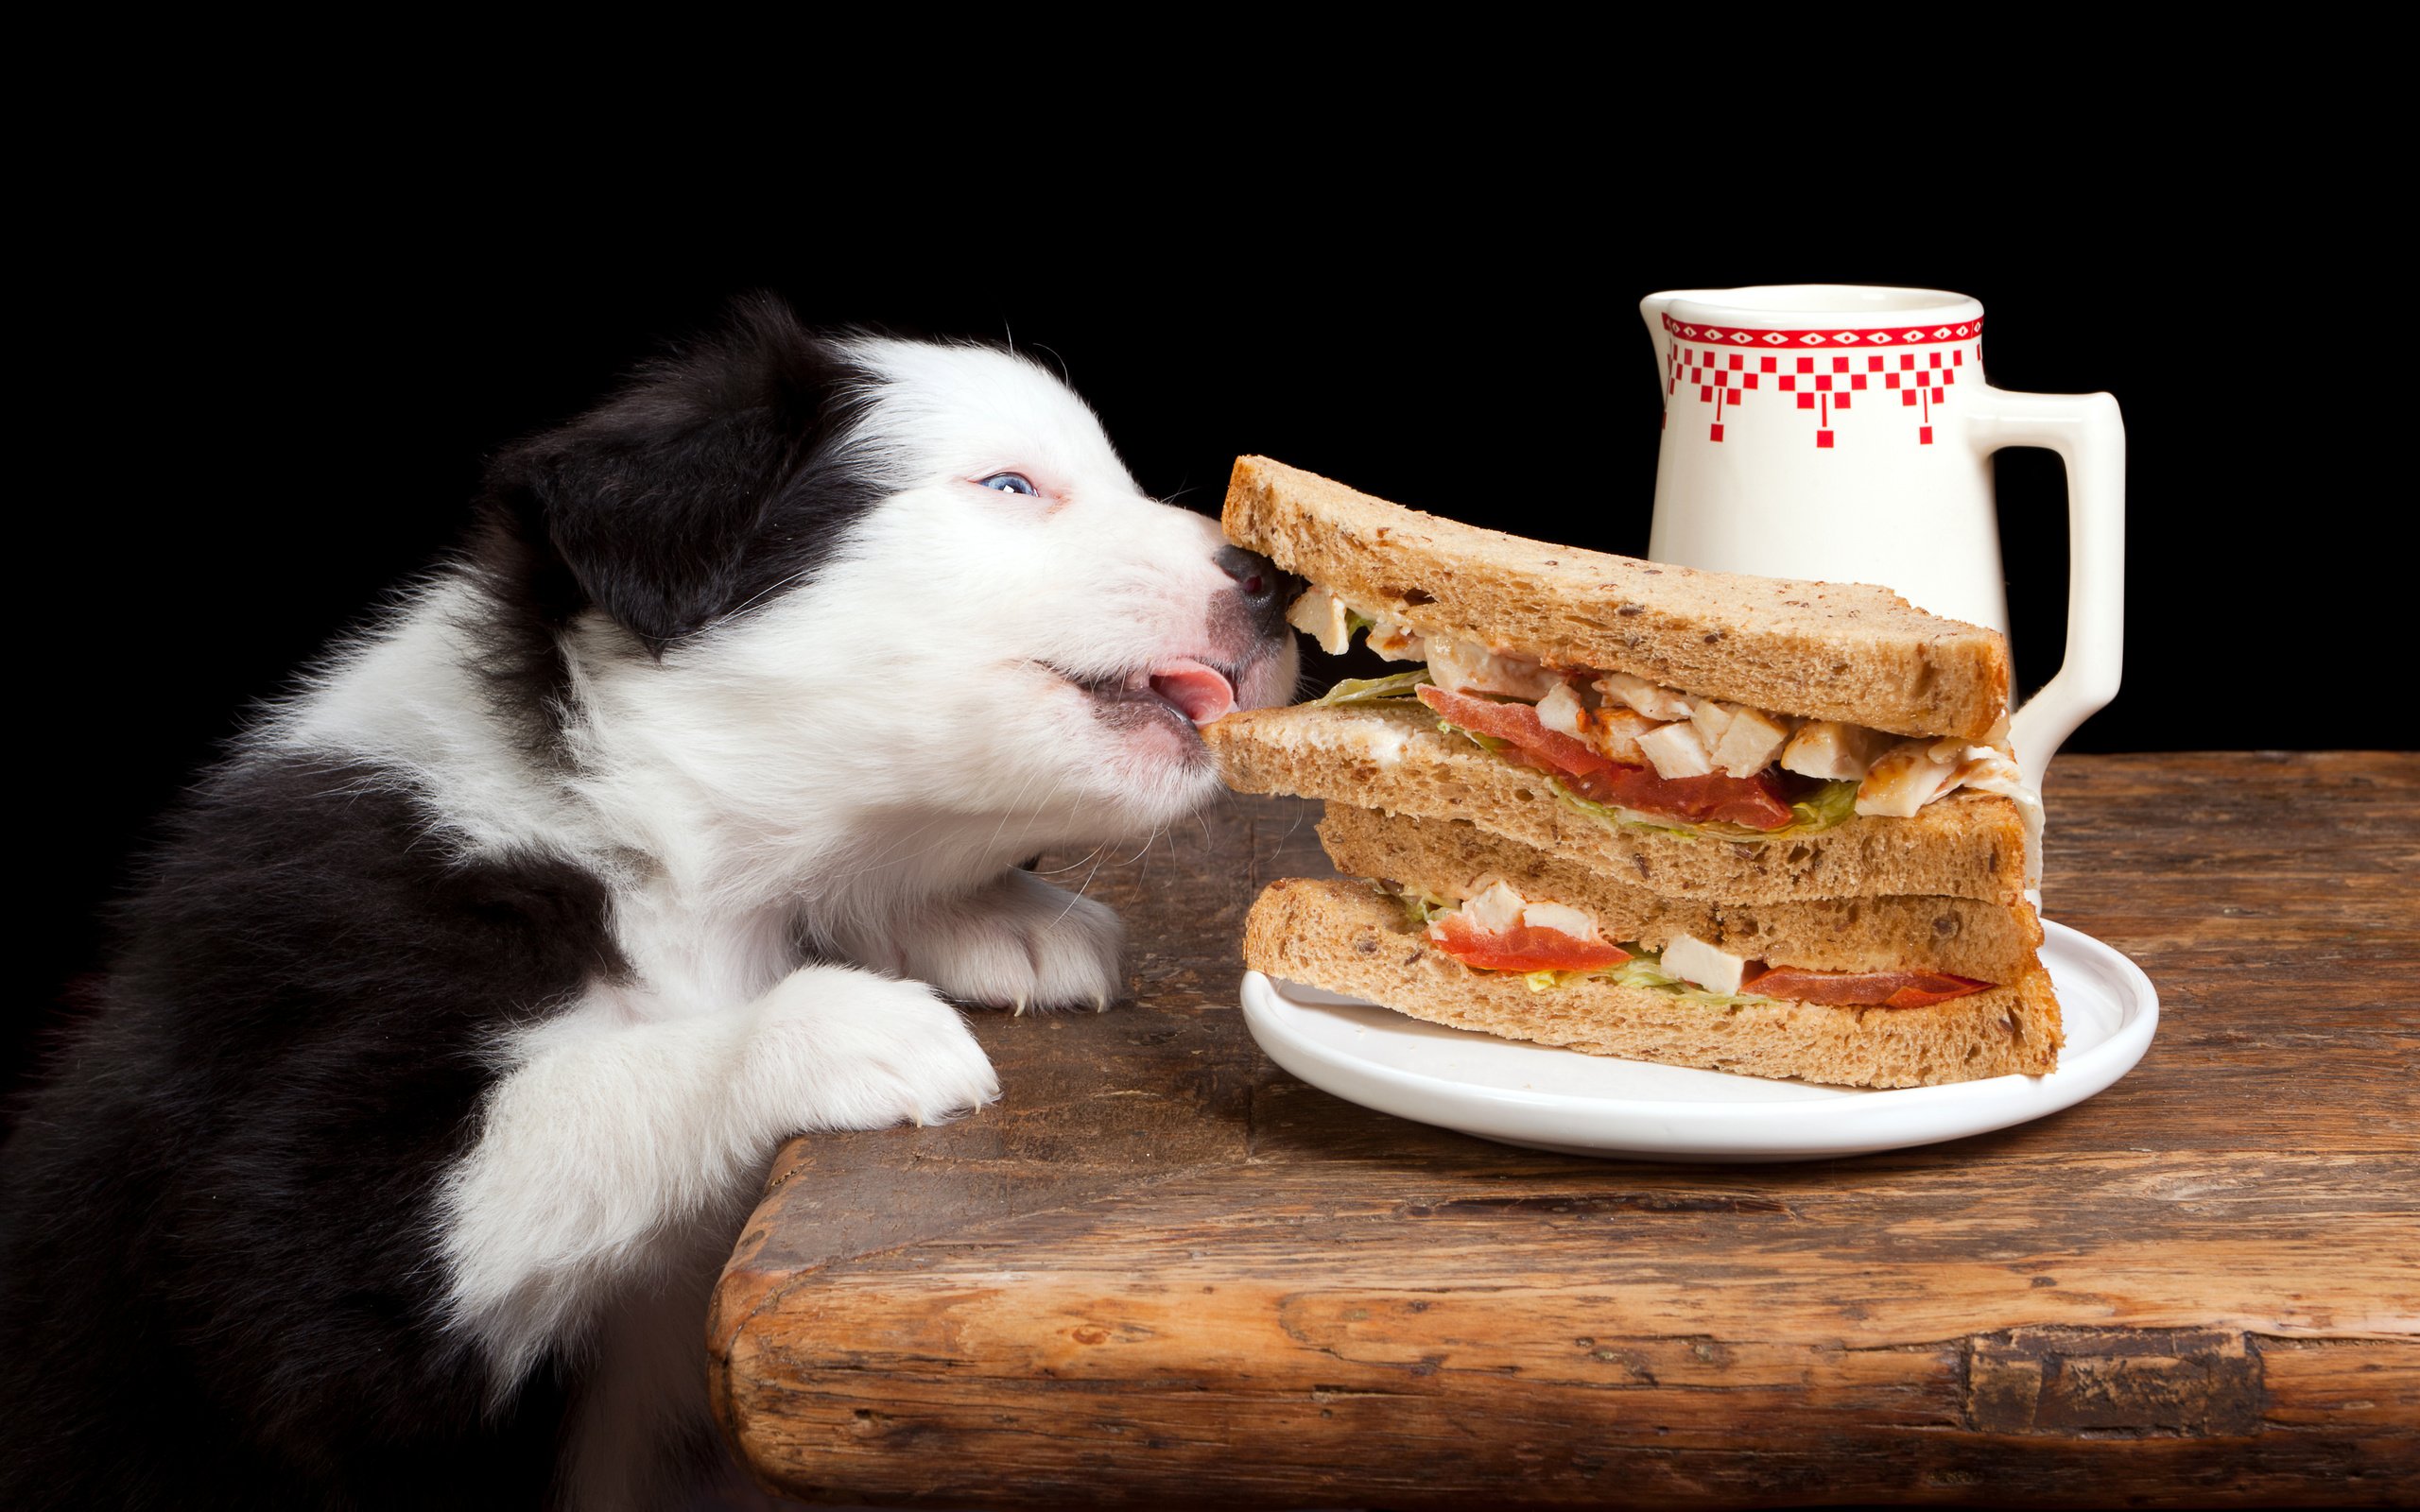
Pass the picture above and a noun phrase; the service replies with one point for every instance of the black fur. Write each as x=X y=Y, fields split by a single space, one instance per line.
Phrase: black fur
x=217 y=1275
x=715 y=480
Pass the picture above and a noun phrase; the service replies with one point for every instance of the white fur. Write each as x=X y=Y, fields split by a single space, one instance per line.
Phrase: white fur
x=855 y=765
x=1015 y=940
x=615 y=1133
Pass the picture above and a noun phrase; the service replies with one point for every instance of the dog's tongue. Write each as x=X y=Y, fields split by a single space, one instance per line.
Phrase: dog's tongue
x=1202 y=692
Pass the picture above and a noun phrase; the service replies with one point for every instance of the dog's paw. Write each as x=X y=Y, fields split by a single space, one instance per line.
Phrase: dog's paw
x=834 y=1048
x=1018 y=942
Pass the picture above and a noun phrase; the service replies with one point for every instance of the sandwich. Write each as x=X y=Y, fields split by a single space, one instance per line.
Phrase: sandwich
x=1749 y=824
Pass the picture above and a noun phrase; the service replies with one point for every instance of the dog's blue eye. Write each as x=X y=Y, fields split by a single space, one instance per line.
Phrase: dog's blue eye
x=1011 y=483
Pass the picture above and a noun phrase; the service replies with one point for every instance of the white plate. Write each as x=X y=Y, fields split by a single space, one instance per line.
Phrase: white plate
x=1576 y=1104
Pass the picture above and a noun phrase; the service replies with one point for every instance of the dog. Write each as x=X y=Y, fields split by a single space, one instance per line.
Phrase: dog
x=459 y=1016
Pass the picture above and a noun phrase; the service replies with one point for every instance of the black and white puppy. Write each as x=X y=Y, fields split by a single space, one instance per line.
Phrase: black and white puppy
x=454 y=1026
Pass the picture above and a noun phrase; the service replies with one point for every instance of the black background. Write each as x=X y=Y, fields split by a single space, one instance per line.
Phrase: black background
x=272 y=397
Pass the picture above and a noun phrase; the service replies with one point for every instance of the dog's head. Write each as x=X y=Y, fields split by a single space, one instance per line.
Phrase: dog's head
x=811 y=570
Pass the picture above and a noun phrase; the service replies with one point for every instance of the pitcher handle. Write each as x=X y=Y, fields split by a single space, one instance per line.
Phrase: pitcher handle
x=2090 y=437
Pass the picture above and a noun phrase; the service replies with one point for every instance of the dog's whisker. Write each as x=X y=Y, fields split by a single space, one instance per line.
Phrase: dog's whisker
x=1012 y=809
x=1076 y=896
x=888 y=857
x=792 y=581
x=1061 y=871
x=1148 y=841
x=1086 y=887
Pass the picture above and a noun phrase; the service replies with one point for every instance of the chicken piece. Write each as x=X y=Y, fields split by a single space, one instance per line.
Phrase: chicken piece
x=1494 y=908
x=1740 y=741
x=1676 y=750
x=1694 y=961
x=1615 y=733
x=1576 y=922
x=1394 y=639
x=1990 y=771
x=1321 y=615
x=1645 y=696
x=1458 y=666
x=1833 y=751
x=1611 y=731
x=1563 y=712
x=1907 y=777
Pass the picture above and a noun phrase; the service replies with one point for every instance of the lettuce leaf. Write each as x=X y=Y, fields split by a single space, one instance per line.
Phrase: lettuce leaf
x=1645 y=969
x=1627 y=819
x=1374 y=690
x=1483 y=742
x=1831 y=804
x=1420 y=909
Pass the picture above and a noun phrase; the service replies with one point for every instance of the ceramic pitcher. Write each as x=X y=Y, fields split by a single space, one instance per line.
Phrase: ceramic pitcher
x=1845 y=432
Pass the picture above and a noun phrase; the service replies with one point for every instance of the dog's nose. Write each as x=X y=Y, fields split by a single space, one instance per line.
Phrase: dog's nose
x=1253 y=573
x=1266 y=588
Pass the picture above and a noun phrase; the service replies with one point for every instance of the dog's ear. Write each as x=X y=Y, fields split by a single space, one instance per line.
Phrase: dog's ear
x=707 y=483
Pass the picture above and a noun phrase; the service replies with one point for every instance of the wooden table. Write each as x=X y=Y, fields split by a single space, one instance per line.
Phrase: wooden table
x=1162 y=1272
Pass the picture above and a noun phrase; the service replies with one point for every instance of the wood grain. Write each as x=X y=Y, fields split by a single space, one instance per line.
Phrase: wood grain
x=1162 y=1272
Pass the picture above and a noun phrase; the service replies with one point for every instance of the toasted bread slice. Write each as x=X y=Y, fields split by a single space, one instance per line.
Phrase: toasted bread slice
x=1392 y=757
x=1344 y=936
x=1966 y=937
x=1846 y=651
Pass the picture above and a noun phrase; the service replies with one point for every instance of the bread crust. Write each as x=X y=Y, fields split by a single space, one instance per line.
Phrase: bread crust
x=1966 y=937
x=1846 y=651
x=1393 y=758
x=1343 y=936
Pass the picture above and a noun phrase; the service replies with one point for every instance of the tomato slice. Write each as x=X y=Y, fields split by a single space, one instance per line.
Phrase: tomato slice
x=1752 y=802
x=1517 y=723
x=1862 y=989
x=1521 y=948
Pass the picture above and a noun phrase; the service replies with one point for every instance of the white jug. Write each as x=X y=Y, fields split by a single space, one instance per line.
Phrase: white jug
x=1845 y=432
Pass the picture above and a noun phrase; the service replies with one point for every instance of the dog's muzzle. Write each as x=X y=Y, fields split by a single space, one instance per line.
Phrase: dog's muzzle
x=1266 y=588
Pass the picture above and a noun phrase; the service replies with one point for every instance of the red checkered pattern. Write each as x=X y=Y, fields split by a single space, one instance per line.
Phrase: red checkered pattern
x=1891 y=337
x=1724 y=376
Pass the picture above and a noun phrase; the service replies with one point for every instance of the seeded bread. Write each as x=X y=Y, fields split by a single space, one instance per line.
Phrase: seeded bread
x=1966 y=936
x=1392 y=757
x=1343 y=936
x=1848 y=651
